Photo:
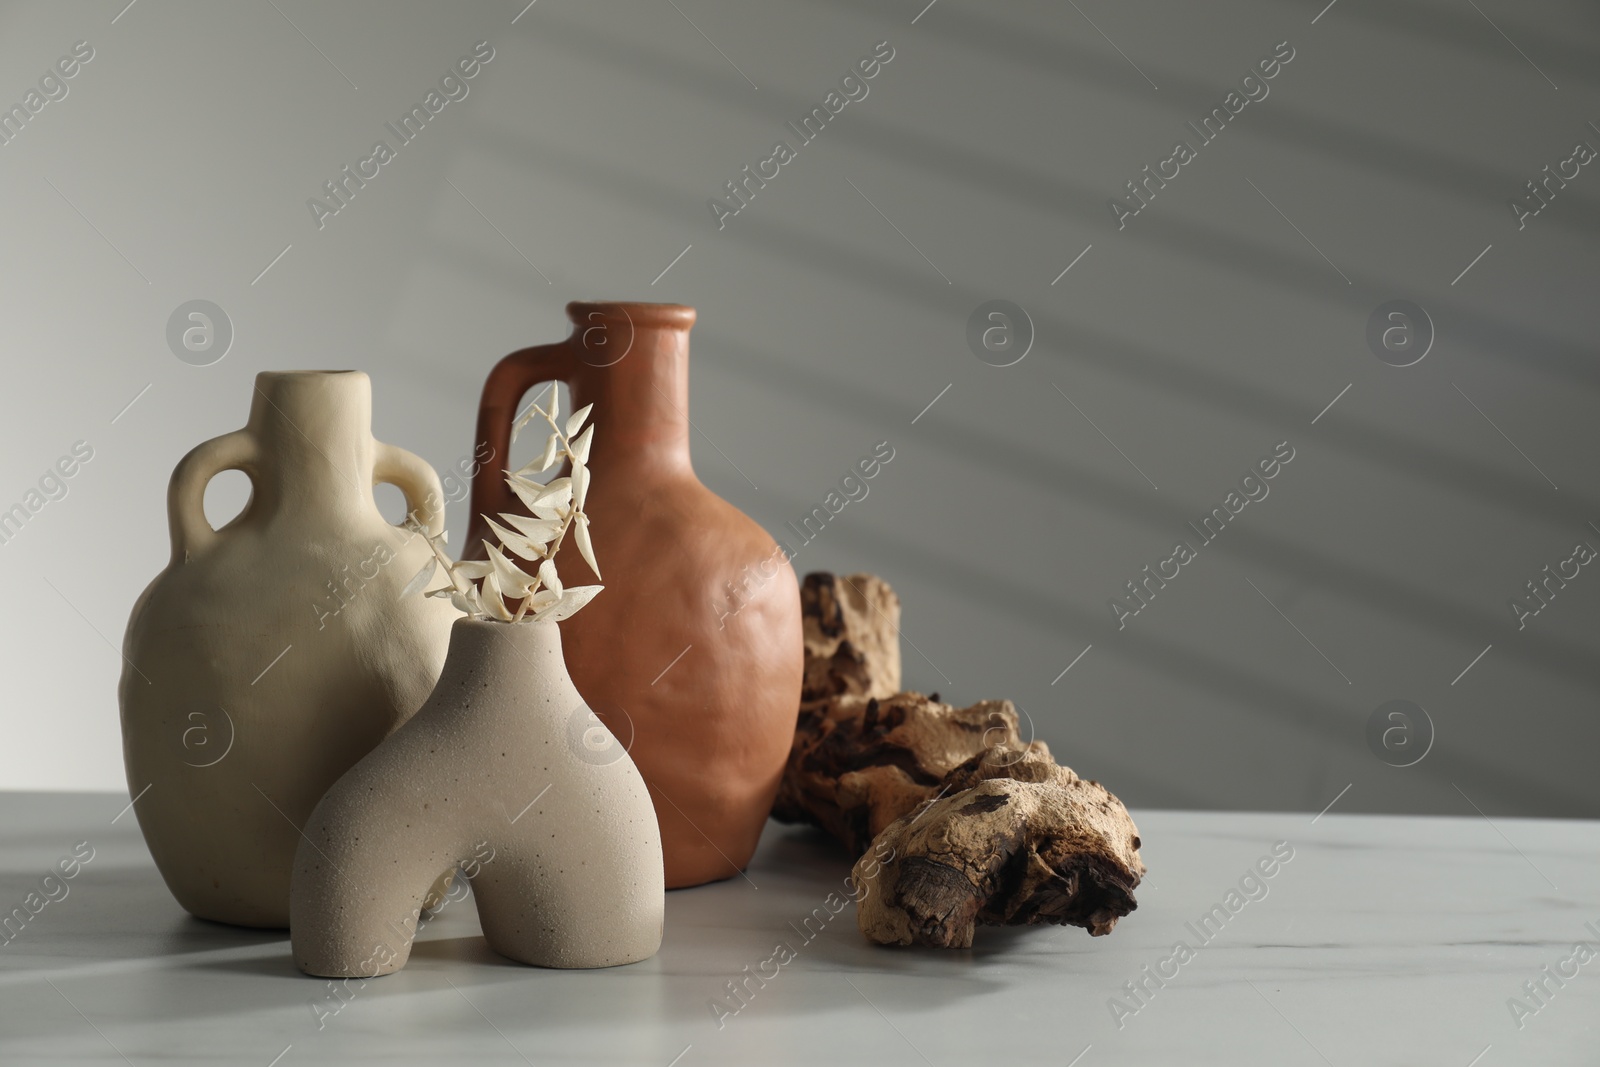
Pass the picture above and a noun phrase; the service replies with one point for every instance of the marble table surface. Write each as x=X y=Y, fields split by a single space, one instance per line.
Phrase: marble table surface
x=1378 y=940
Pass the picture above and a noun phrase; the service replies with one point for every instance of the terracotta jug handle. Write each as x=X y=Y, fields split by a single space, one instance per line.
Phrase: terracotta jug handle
x=186 y=493
x=417 y=480
x=502 y=392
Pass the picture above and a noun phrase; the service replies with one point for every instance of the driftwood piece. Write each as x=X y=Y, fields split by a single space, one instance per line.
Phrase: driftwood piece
x=1022 y=841
x=852 y=636
x=858 y=764
x=966 y=823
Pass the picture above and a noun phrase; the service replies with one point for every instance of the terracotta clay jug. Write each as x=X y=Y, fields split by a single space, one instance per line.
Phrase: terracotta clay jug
x=272 y=654
x=692 y=655
x=505 y=775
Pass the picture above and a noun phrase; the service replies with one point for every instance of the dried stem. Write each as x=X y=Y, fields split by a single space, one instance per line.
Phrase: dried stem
x=546 y=550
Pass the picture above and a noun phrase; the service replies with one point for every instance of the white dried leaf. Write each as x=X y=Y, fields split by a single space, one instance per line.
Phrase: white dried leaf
x=556 y=507
x=523 y=547
x=539 y=531
x=420 y=579
x=546 y=460
x=494 y=603
x=515 y=542
x=575 y=423
x=469 y=569
x=513 y=581
x=580 y=447
x=530 y=491
x=468 y=602
x=571 y=600
x=557 y=493
x=522 y=421
x=526 y=490
x=548 y=576
x=552 y=449
x=534 y=411
x=580 y=534
x=553 y=494
x=580 y=484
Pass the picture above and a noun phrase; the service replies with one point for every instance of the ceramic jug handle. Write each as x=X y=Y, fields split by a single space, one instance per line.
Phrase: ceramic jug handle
x=417 y=480
x=186 y=493
x=502 y=392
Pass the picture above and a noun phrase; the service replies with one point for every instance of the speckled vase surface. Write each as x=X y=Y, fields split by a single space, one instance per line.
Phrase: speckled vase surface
x=506 y=774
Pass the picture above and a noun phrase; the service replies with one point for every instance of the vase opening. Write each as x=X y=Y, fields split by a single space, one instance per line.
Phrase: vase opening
x=643 y=315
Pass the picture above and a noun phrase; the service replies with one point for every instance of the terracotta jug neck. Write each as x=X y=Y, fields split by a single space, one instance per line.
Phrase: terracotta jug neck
x=632 y=362
x=314 y=432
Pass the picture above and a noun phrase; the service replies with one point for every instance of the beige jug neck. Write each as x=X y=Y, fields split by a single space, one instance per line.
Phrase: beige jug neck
x=313 y=430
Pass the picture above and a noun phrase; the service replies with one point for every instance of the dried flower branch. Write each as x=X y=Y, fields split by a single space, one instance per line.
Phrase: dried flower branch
x=484 y=588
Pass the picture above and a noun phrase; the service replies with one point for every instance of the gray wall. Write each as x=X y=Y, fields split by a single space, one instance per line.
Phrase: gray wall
x=834 y=308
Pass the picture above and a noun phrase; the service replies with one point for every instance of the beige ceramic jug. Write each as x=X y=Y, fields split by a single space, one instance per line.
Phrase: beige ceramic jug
x=272 y=654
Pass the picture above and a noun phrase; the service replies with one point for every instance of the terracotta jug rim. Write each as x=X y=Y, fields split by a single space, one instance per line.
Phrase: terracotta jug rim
x=640 y=313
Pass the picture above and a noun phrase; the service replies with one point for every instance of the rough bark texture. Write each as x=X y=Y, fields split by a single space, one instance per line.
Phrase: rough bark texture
x=852 y=636
x=859 y=763
x=1018 y=840
x=966 y=823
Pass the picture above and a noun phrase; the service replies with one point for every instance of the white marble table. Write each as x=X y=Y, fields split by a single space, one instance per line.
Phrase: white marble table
x=1382 y=941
